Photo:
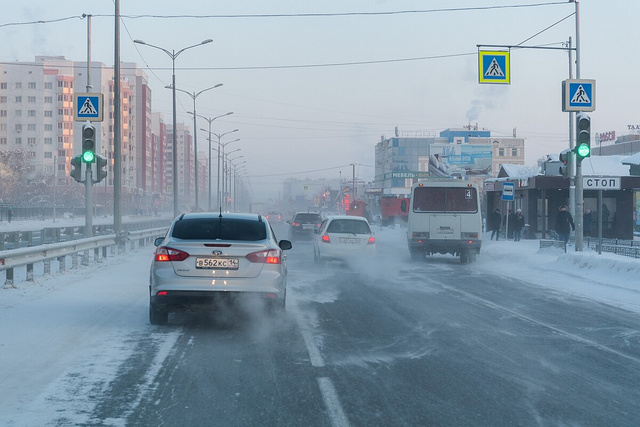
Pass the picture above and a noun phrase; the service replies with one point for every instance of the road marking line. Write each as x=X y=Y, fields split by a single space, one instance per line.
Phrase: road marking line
x=332 y=402
x=312 y=348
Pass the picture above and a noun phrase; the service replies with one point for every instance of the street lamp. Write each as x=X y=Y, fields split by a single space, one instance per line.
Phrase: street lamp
x=173 y=55
x=221 y=149
x=233 y=186
x=229 y=176
x=209 y=120
x=193 y=96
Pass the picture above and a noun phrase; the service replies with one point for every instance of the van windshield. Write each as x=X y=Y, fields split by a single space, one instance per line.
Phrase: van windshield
x=445 y=199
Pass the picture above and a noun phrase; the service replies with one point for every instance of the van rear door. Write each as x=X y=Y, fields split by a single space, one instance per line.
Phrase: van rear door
x=445 y=227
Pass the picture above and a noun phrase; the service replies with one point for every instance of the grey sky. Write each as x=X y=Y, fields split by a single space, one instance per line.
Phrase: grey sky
x=305 y=118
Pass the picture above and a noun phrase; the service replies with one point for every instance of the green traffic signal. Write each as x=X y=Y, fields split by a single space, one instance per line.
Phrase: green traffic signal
x=88 y=143
x=583 y=150
x=583 y=139
x=88 y=157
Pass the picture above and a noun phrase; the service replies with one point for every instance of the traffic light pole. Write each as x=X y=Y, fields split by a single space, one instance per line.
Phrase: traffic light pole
x=578 y=183
x=88 y=203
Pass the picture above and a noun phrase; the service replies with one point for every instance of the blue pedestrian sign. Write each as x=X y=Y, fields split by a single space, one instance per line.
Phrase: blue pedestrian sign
x=579 y=95
x=508 y=191
x=494 y=67
x=88 y=106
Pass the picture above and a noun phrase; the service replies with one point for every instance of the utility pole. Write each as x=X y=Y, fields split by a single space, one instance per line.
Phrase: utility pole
x=88 y=203
x=578 y=182
x=117 y=128
x=355 y=189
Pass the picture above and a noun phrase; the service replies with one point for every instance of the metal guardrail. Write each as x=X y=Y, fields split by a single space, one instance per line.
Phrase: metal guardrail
x=27 y=257
x=547 y=243
x=10 y=240
x=628 y=248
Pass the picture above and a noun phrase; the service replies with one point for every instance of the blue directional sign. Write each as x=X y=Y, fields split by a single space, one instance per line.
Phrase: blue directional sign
x=88 y=106
x=579 y=95
x=508 y=190
x=494 y=67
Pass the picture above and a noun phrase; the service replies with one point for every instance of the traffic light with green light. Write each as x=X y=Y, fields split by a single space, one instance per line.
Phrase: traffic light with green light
x=583 y=141
x=88 y=143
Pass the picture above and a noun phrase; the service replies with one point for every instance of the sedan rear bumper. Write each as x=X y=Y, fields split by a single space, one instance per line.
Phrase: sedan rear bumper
x=176 y=300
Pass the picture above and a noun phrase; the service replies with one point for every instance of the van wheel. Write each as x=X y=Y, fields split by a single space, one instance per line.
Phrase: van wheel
x=416 y=255
x=464 y=257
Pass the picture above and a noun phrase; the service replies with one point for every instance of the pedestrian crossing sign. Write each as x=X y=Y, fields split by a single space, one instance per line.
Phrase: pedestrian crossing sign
x=88 y=106
x=494 y=67
x=578 y=95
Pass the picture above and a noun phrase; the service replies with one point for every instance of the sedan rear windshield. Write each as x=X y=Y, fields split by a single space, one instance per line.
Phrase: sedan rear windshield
x=217 y=229
x=350 y=226
x=308 y=218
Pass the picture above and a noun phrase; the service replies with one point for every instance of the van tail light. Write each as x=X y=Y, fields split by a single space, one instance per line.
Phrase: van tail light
x=164 y=253
x=372 y=241
x=325 y=238
x=272 y=256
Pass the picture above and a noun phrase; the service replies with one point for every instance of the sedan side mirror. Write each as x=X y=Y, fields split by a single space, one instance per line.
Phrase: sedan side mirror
x=285 y=245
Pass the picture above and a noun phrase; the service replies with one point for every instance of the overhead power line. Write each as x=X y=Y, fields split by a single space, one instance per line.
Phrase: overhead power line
x=296 y=15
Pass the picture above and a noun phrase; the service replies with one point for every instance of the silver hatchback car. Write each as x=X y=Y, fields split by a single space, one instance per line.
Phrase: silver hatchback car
x=207 y=257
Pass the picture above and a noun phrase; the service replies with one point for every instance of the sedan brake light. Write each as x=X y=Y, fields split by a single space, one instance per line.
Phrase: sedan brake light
x=325 y=238
x=271 y=256
x=372 y=241
x=169 y=254
x=295 y=224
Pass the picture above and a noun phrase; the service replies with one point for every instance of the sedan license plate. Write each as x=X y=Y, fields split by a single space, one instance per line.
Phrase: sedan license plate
x=307 y=226
x=217 y=263
x=351 y=240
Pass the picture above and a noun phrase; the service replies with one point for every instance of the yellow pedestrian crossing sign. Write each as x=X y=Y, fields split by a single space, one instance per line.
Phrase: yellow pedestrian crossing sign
x=88 y=106
x=494 y=67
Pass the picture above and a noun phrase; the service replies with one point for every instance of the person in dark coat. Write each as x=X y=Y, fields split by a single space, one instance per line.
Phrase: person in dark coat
x=508 y=218
x=518 y=225
x=564 y=224
x=494 y=223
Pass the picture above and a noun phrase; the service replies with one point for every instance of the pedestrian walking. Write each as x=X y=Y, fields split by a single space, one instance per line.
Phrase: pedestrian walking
x=494 y=224
x=518 y=225
x=9 y=214
x=564 y=224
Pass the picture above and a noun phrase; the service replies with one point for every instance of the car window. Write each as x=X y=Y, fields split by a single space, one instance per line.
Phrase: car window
x=348 y=226
x=307 y=218
x=222 y=229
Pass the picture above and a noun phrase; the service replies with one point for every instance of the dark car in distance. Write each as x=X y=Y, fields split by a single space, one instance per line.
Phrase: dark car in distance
x=303 y=224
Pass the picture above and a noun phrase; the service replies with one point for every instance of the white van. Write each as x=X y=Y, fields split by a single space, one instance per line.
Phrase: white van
x=445 y=217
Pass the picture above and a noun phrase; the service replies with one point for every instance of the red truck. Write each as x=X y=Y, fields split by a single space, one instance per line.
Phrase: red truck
x=394 y=210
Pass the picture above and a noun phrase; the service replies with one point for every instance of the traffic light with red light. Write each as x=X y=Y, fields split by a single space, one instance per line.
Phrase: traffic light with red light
x=566 y=169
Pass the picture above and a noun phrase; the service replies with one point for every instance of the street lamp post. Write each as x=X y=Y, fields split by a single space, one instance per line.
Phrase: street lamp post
x=209 y=120
x=193 y=96
x=230 y=176
x=225 y=171
x=221 y=149
x=173 y=55
x=232 y=181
